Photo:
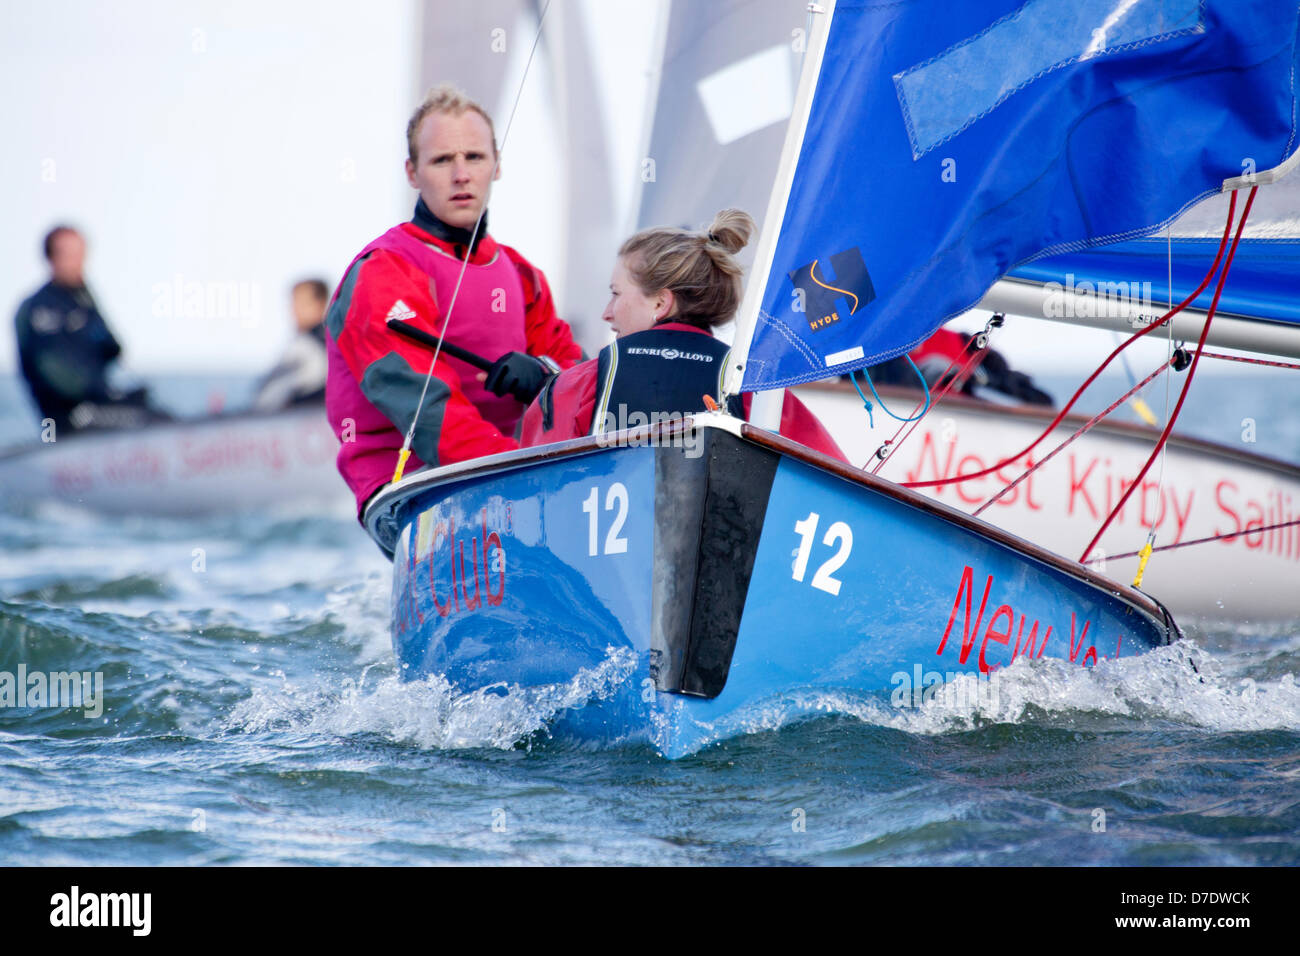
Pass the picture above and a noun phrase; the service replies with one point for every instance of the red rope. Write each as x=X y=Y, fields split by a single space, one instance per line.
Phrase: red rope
x=1227 y=231
x=1252 y=361
x=1213 y=537
x=1191 y=372
x=1087 y=426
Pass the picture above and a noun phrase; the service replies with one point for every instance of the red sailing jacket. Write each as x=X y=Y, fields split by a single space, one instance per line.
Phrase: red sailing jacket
x=574 y=396
x=944 y=345
x=376 y=377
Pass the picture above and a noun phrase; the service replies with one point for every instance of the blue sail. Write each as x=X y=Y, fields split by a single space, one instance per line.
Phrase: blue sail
x=948 y=144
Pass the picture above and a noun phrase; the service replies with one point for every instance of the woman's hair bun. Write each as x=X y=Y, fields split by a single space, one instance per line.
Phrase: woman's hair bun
x=698 y=267
x=732 y=229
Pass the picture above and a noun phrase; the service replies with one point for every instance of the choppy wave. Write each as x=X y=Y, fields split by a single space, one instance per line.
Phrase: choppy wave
x=262 y=692
x=1177 y=686
x=215 y=671
x=430 y=713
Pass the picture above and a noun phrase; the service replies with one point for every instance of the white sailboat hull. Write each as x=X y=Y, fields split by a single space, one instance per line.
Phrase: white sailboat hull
x=208 y=466
x=1208 y=490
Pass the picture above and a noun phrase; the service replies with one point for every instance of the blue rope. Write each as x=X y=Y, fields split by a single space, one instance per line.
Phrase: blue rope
x=867 y=405
x=871 y=422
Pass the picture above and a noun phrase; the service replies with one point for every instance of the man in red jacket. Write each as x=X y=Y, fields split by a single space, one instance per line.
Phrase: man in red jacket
x=503 y=311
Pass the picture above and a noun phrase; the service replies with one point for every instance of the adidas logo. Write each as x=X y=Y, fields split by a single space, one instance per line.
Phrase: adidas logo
x=400 y=312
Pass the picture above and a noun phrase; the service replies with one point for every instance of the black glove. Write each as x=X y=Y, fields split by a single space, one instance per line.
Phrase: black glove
x=520 y=375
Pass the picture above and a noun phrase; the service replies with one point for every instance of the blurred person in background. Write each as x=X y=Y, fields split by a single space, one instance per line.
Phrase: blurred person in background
x=65 y=347
x=299 y=377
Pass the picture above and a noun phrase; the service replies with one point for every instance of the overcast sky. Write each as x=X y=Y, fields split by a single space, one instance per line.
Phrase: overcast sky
x=224 y=149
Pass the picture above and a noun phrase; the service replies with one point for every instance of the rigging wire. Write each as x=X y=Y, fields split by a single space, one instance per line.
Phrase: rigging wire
x=405 y=452
x=1146 y=550
x=1086 y=427
x=1224 y=536
x=1251 y=361
x=1060 y=416
x=1139 y=405
x=981 y=346
x=1191 y=372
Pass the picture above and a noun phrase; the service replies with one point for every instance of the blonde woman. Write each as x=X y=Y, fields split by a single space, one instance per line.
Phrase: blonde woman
x=670 y=288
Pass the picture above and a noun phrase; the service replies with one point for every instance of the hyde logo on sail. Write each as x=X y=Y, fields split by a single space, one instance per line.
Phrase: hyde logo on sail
x=458 y=570
x=818 y=296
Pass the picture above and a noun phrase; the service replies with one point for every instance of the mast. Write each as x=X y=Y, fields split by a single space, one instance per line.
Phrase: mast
x=766 y=410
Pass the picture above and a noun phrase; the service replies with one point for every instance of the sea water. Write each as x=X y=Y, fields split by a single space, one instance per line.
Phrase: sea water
x=251 y=713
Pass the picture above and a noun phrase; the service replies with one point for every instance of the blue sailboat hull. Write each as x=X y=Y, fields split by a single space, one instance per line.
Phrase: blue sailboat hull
x=699 y=581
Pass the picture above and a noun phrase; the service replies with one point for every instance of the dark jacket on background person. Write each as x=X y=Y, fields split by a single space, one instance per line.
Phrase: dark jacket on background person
x=64 y=348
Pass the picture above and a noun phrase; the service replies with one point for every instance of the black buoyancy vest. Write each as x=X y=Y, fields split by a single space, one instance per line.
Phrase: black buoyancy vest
x=656 y=375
